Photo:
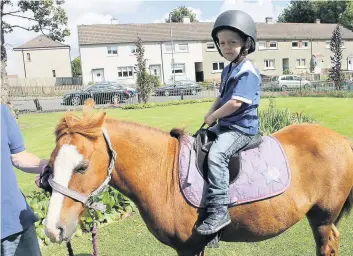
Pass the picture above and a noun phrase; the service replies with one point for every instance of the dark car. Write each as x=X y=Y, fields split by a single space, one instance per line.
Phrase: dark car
x=101 y=93
x=184 y=86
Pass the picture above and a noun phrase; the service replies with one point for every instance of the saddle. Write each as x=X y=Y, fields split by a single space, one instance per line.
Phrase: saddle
x=202 y=144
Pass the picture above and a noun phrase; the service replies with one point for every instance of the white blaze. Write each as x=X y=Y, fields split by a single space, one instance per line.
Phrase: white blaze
x=67 y=159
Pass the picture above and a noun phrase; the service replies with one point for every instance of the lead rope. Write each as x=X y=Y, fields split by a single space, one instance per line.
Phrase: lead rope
x=94 y=242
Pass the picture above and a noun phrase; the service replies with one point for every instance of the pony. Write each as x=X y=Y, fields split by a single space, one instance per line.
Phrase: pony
x=141 y=162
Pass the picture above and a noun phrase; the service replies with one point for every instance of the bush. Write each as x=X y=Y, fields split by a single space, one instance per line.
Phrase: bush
x=272 y=119
x=155 y=80
x=303 y=93
x=164 y=104
x=117 y=206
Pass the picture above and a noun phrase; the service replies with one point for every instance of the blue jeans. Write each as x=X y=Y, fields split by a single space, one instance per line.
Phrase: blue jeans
x=24 y=243
x=227 y=143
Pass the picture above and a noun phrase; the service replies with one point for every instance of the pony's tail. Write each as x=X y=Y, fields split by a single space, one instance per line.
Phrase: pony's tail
x=348 y=204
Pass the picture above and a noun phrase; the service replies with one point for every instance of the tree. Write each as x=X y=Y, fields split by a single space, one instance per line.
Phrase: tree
x=298 y=11
x=327 y=11
x=144 y=86
x=48 y=17
x=336 y=47
x=347 y=16
x=179 y=13
x=76 y=67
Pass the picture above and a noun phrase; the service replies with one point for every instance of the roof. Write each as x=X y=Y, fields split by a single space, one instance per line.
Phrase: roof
x=200 y=31
x=41 y=41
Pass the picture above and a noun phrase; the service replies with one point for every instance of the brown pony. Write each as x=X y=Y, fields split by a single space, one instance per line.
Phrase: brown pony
x=146 y=170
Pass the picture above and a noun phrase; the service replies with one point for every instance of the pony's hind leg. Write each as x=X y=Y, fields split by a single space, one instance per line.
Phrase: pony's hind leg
x=327 y=239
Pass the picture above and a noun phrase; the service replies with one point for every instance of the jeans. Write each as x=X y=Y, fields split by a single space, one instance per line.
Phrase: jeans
x=24 y=243
x=227 y=143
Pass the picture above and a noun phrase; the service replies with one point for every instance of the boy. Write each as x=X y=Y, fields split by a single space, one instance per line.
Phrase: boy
x=234 y=34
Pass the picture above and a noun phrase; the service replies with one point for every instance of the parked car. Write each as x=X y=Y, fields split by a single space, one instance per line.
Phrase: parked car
x=132 y=91
x=100 y=92
x=185 y=86
x=286 y=82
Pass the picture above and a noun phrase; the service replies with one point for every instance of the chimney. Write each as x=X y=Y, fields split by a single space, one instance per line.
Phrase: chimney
x=317 y=21
x=268 y=20
x=114 y=21
x=186 y=19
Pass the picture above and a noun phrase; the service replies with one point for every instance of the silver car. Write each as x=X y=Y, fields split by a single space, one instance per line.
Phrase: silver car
x=286 y=82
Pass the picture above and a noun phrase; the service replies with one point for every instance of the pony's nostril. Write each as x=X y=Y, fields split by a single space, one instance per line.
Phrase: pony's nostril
x=61 y=233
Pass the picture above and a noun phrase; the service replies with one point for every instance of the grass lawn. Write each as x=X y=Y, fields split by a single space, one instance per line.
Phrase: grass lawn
x=131 y=237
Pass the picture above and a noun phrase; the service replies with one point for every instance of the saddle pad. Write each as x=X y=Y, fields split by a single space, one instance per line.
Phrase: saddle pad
x=264 y=173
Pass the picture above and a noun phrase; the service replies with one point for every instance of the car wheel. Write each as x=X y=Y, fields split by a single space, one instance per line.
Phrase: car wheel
x=306 y=87
x=166 y=93
x=284 y=88
x=75 y=101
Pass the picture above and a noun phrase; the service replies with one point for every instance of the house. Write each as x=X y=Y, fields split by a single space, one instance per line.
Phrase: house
x=286 y=46
x=42 y=57
x=107 y=50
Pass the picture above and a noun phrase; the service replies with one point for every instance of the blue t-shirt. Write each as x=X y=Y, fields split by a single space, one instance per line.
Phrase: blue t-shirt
x=243 y=84
x=16 y=215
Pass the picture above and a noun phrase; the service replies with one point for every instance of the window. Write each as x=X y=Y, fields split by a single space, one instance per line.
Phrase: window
x=54 y=74
x=28 y=56
x=269 y=64
x=178 y=68
x=125 y=72
x=273 y=45
x=300 y=44
x=168 y=47
x=267 y=45
x=133 y=49
x=217 y=66
x=262 y=45
x=300 y=63
x=112 y=50
x=183 y=48
x=211 y=47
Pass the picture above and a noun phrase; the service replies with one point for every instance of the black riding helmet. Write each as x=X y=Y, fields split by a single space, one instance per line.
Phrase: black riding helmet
x=239 y=22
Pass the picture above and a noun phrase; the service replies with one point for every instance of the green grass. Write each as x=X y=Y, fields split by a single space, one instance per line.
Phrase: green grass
x=131 y=237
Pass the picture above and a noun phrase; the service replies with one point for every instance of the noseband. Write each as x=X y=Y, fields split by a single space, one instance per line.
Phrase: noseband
x=89 y=201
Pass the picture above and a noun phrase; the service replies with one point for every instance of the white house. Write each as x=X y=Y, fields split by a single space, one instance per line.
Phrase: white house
x=116 y=62
x=107 y=51
x=42 y=57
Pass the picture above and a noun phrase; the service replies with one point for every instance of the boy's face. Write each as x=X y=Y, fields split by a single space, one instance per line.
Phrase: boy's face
x=230 y=43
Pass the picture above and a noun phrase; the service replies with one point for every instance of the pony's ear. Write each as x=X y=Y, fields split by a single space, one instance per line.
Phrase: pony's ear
x=88 y=106
x=98 y=119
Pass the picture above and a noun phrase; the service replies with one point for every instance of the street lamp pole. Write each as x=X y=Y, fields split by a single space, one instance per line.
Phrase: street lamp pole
x=171 y=40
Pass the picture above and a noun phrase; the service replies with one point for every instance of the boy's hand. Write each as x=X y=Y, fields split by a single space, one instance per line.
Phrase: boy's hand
x=210 y=120
x=206 y=116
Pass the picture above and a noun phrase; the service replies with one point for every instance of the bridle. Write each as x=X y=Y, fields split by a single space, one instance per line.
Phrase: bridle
x=88 y=201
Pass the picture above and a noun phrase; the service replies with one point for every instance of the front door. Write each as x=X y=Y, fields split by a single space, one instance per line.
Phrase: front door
x=285 y=64
x=155 y=70
x=350 y=63
x=98 y=75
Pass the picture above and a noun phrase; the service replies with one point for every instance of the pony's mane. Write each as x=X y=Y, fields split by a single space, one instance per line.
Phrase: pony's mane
x=89 y=125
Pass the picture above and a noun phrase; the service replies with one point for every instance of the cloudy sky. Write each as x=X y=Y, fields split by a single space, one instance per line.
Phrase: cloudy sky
x=136 y=11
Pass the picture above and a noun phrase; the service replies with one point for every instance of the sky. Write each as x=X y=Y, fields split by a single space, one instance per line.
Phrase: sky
x=134 y=11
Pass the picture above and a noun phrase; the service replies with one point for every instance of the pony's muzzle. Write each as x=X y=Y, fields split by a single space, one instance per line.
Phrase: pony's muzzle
x=55 y=233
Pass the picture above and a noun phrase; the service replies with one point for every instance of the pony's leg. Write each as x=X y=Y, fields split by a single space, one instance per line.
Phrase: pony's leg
x=327 y=239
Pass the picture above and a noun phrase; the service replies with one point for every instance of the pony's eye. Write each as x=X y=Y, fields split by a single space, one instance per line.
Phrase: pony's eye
x=82 y=167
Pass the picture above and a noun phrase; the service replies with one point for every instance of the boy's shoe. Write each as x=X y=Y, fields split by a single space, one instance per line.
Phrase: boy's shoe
x=218 y=219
